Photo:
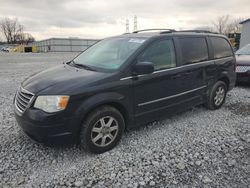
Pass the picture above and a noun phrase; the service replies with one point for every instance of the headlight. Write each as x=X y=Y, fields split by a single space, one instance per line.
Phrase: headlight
x=51 y=103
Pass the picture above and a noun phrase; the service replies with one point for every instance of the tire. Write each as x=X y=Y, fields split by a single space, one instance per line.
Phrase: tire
x=216 y=96
x=102 y=129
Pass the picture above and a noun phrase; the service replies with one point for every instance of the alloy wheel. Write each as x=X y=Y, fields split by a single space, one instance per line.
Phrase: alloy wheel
x=219 y=96
x=104 y=131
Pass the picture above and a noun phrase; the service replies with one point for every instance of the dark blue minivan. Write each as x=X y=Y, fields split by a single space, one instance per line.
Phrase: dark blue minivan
x=125 y=81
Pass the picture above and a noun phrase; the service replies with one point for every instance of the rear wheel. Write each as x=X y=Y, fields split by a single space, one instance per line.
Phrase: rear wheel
x=102 y=129
x=217 y=95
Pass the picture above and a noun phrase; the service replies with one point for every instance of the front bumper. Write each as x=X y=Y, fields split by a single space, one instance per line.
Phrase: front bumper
x=48 y=128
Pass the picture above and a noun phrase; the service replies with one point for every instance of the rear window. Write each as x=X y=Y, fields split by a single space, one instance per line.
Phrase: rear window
x=221 y=47
x=194 y=50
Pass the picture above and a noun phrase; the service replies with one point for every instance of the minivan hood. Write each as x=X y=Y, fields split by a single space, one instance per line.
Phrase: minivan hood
x=243 y=59
x=61 y=80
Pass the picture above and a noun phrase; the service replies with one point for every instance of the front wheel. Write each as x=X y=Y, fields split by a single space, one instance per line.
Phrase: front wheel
x=216 y=96
x=102 y=129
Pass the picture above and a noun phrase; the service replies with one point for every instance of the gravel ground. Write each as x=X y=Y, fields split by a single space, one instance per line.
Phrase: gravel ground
x=197 y=148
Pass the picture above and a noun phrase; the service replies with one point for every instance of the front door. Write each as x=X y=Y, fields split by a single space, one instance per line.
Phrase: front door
x=160 y=92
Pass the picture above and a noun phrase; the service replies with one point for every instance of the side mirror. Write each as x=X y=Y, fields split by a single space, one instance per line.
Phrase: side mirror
x=143 y=68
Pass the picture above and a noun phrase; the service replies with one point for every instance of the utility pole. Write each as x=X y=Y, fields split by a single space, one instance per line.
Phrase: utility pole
x=135 y=23
x=127 y=25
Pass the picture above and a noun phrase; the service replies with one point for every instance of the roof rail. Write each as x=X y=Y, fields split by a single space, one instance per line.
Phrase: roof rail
x=165 y=30
x=197 y=31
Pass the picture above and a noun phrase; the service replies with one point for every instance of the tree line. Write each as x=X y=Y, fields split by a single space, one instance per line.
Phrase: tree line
x=13 y=32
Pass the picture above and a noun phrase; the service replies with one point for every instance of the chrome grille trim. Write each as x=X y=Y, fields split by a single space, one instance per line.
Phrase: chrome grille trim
x=242 y=69
x=23 y=99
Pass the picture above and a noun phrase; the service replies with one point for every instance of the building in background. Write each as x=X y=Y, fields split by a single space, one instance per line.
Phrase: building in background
x=63 y=44
x=245 y=33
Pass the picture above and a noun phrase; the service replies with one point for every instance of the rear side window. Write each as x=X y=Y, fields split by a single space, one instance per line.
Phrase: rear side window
x=193 y=49
x=221 y=47
x=161 y=54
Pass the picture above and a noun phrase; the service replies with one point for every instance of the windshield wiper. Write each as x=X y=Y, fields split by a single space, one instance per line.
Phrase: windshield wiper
x=83 y=66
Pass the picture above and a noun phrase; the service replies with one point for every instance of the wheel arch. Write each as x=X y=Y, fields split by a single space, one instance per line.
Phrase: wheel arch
x=108 y=99
x=224 y=78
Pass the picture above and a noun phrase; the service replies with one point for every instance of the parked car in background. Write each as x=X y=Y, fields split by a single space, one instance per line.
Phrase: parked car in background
x=5 y=49
x=125 y=81
x=243 y=64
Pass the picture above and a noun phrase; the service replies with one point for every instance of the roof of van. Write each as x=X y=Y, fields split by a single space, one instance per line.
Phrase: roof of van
x=149 y=33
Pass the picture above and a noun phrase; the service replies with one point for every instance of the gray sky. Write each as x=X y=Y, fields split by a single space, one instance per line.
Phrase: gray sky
x=101 y=18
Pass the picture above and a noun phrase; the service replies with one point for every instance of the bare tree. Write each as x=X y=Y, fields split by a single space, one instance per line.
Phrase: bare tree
x=221 y=24
x=29 y=38
x=235 y=25
x=24 y=38
x=225 y=24
x=11 y=28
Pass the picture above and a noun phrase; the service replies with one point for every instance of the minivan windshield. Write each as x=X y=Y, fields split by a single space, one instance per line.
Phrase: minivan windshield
x=244 y=51
x=108 y=54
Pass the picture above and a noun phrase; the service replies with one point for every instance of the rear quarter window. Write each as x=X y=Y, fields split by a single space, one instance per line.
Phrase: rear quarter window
x=221 y=47
x=194 y=50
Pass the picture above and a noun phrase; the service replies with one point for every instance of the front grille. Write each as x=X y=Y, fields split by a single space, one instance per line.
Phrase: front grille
x=23 y=99
x=242 y=69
